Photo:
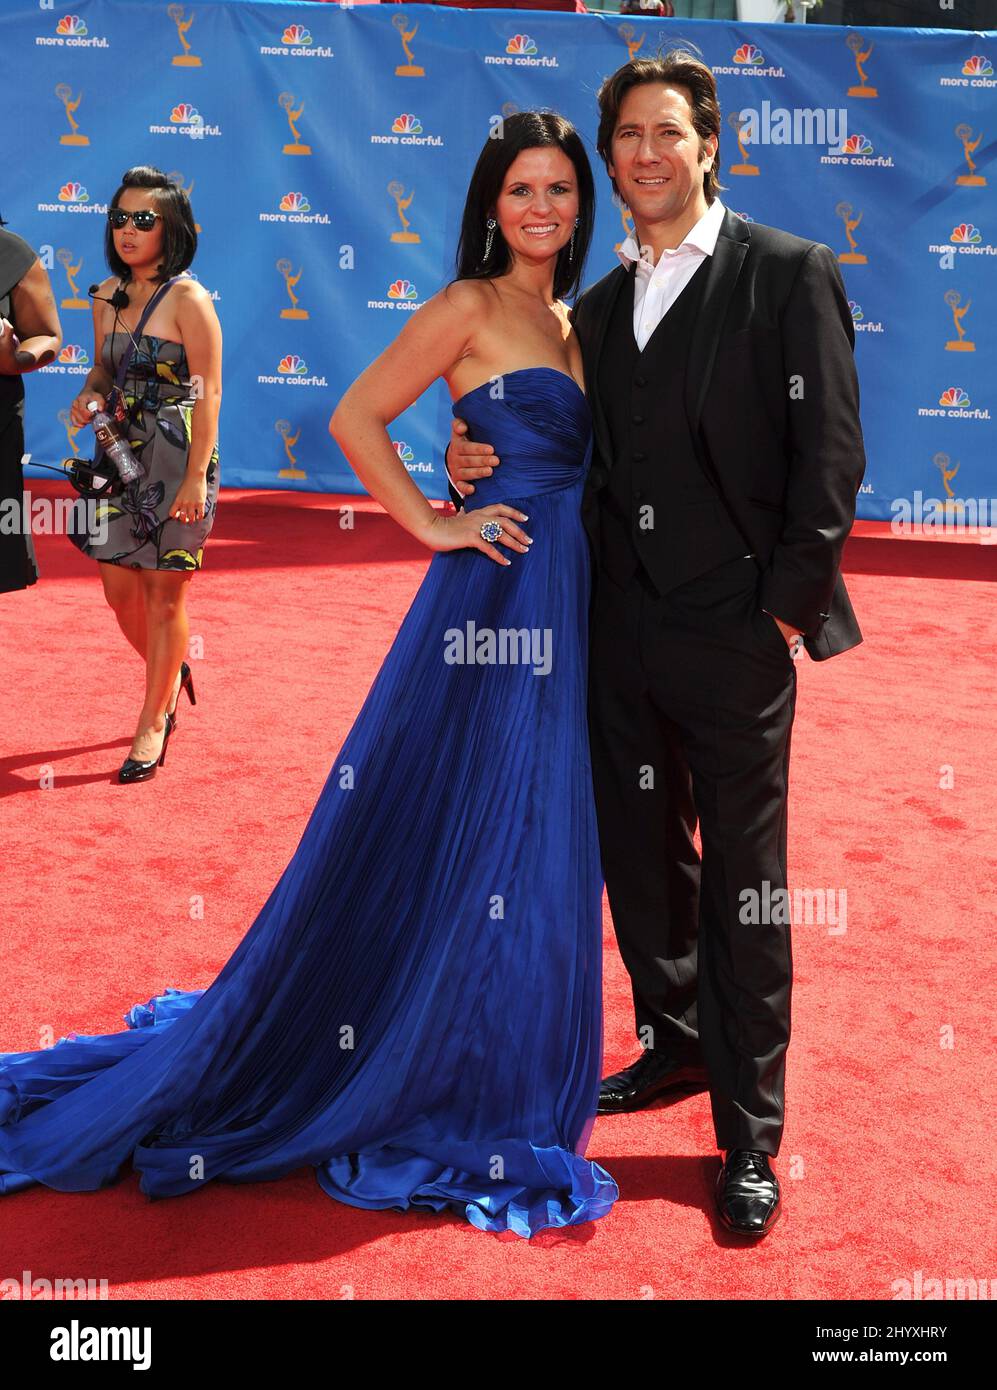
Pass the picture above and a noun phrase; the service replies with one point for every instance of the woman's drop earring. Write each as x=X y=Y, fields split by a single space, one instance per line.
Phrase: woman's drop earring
x=491 y=224
x=571 y=243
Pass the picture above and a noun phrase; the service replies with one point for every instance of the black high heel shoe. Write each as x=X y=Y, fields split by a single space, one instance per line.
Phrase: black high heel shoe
x=186 y=683
x=132 y=770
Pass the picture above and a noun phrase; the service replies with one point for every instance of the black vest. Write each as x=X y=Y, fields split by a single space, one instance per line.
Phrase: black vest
x=658 y=509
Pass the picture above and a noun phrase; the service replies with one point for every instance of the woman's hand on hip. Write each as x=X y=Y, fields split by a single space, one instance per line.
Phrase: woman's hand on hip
x=463 y=531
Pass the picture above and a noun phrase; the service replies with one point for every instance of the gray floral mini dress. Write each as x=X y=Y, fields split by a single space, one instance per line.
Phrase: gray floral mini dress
x=134 y=527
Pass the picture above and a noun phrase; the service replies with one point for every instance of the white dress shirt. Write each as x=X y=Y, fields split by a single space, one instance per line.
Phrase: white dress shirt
x=656 y=287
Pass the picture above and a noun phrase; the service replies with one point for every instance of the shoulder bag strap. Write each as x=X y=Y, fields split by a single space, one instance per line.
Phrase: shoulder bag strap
x=129 y=352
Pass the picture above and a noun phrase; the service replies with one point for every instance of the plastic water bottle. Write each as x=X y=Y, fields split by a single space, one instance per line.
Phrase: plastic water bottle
x=114 y=443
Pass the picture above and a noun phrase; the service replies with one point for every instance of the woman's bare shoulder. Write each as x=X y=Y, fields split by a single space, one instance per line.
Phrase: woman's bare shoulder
x=469 y=296
x=102 y=312
x=189 y=285
x=457 y=313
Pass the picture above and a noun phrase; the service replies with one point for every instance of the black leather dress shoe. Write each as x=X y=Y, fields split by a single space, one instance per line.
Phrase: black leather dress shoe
x=748 y=1197
x=653 y=1074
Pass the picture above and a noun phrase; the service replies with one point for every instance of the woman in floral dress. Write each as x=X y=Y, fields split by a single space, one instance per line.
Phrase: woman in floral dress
x=149 y=540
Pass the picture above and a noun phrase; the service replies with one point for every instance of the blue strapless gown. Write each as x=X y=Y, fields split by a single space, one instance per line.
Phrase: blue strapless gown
x=416 y=1011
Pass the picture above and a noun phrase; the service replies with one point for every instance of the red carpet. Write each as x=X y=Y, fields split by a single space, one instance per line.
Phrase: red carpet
x=887 y=1164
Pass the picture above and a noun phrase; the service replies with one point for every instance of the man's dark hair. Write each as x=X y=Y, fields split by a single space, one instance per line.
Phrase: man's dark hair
x=677 y=67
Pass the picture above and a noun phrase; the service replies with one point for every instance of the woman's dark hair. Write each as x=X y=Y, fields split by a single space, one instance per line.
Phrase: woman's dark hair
x=525 y=130
x=2 y=222
x=179 y=234
x=677 y=68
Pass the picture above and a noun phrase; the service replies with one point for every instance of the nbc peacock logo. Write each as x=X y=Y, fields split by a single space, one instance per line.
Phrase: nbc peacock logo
x=859 y=321
x=856 y=144
x=406 y=129
x=954 y=403
x=407 y=456
x=748 y=54
x=292 y=370
x=185 y=119
x=400 y=294
x=293 y=206
x=747 y=60
x=964 y=239
x=70 y=32
x=857 y=149
x=296 y=41
x=73 y=197
x=73 y=355
x=976 y=71
x=521 y=51
x=185 y=114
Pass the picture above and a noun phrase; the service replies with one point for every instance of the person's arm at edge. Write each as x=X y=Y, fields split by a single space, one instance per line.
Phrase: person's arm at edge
x=827 y=458
x=201 y=334
x=34 y=310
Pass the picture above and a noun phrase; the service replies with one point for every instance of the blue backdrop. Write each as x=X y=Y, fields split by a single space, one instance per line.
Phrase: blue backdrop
x=327 y=151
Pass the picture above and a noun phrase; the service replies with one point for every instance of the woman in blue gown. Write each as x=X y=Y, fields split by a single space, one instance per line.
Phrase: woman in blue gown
x=416 y=1010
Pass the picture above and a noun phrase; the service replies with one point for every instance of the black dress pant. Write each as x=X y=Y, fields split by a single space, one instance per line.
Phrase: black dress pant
x=691 y=703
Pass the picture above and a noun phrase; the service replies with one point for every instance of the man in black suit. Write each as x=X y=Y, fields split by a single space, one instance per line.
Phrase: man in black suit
x=727 y=457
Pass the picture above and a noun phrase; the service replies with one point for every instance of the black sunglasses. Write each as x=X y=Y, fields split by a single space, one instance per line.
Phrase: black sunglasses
x=144 y=220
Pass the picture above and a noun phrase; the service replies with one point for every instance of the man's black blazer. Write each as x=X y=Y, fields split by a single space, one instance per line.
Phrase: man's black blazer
x=772 y=400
